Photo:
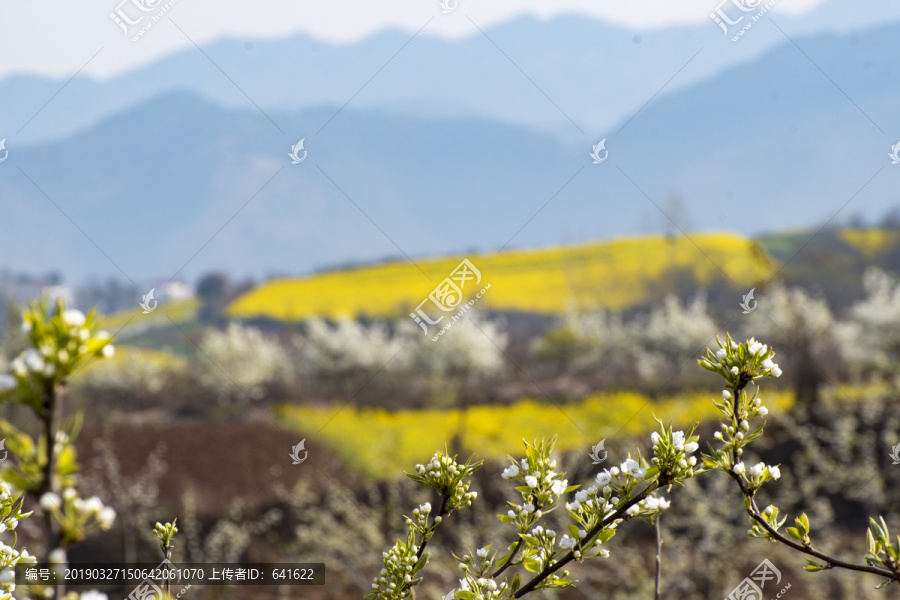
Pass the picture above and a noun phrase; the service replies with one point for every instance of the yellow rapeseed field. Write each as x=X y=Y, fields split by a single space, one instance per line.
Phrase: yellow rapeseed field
x=615 y=274
x=384 y=444
x=870 y=241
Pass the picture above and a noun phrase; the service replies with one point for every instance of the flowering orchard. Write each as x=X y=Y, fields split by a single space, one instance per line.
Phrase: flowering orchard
x=535 y=557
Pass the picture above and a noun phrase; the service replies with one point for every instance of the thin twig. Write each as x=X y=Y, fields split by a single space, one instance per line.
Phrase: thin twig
x=658 y=556
x=509 y=562
x=756 y=515
x=443 y=512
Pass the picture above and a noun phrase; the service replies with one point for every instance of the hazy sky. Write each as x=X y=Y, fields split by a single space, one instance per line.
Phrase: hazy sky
x=58 y=39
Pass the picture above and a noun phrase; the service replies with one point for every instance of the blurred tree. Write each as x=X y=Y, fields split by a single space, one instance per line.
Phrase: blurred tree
x=213 y=292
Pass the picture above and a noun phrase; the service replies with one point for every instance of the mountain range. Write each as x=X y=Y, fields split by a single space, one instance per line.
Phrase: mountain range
x=453 y=147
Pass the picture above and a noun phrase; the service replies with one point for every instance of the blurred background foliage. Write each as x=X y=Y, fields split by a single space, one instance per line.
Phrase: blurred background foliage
x=195 y=415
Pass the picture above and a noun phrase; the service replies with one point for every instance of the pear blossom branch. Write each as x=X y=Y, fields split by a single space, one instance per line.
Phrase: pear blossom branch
x=805 y=548
x=619 y=516
x=741 y=364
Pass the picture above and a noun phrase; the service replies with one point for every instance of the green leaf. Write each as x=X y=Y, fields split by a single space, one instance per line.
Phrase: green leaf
x=515 y=585
x=532 y=564
x=606 y=535
x=530 y=539
x=803 y=522
x=573 y=531
x=708 y=366
x=422 y=561
x=752 y=436
x=792 y=531
x=813 y=566
x=465 y=595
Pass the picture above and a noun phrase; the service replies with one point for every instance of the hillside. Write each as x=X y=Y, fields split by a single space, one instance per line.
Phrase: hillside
x=616 y=274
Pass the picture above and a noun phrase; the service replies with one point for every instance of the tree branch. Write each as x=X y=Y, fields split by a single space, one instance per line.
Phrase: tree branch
x=570 y=555
x=756 y=515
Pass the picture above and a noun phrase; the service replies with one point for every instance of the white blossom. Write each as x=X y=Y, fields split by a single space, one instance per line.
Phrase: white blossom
x=655 y=503
x=559 y=486
x=738 y=468
x=50 y=501
x=57 y=555
x=757 y=470
x=34 y=360
x=7 y=383
x=774 y=471
x=567 y=543
x=73 y=317
x=634 y=469
x=531 y=481
x=510 y=471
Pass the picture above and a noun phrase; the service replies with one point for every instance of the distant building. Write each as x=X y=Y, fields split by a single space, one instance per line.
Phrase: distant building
x=176 y=290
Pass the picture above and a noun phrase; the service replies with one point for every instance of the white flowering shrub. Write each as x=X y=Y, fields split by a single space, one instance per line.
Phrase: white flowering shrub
x=648 y=350
x=341 y=359
x=670 y=336
x=345 y=348
x=473 y=347
x=133 y=371
x=870 y=338
x=239 y=363
x=587 y=342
